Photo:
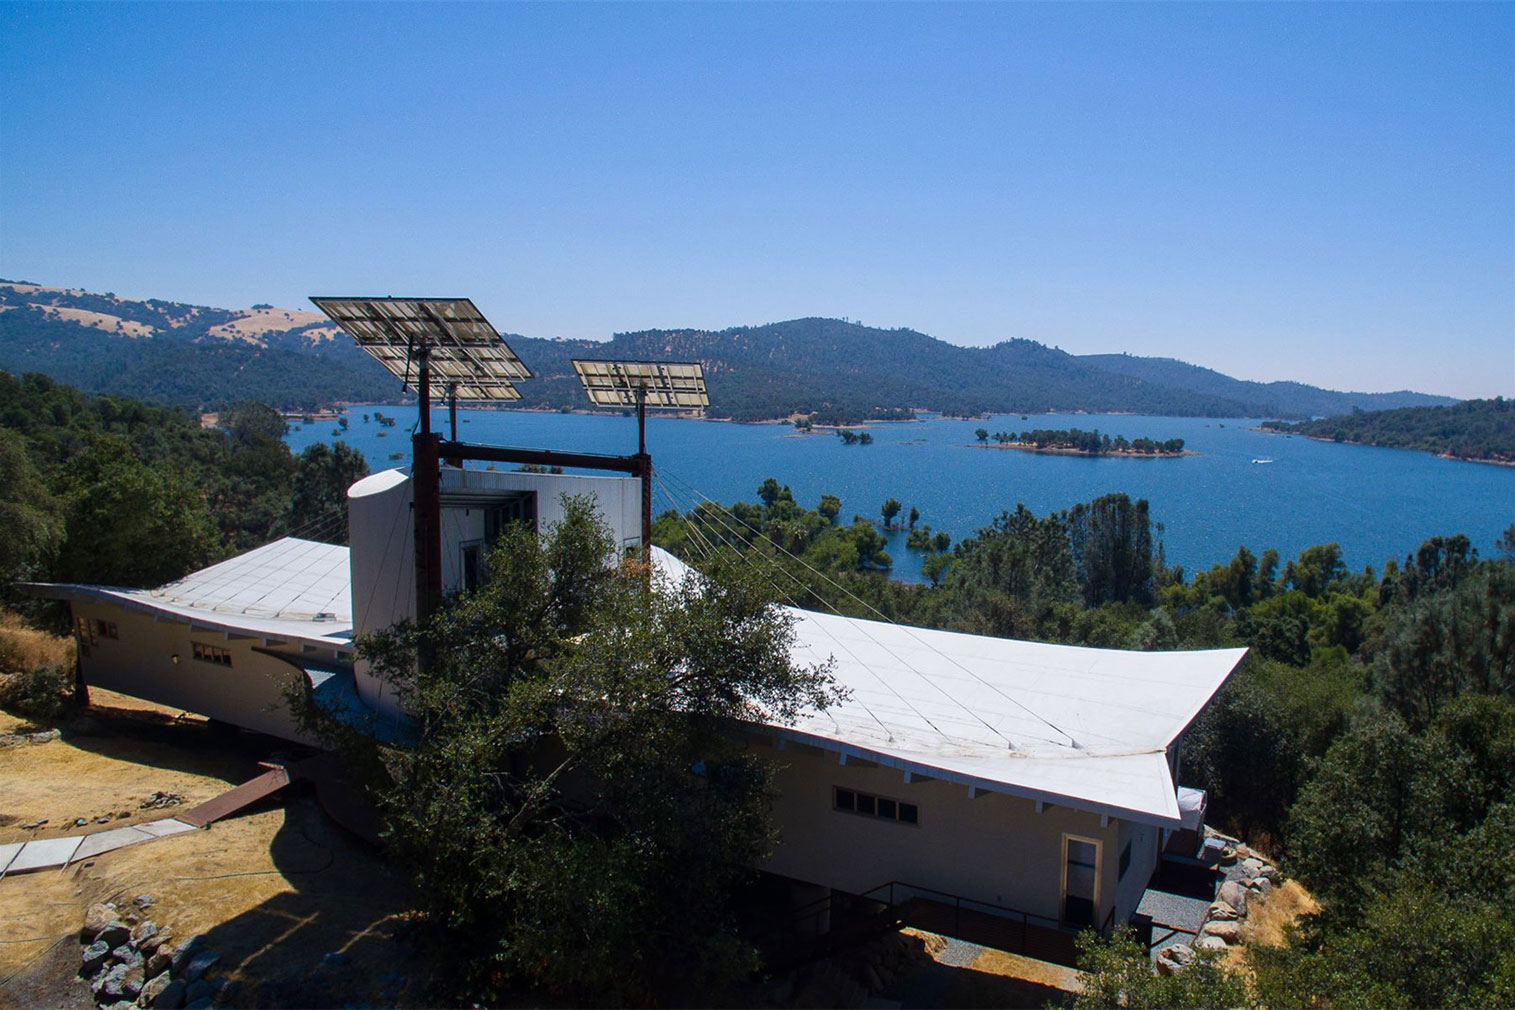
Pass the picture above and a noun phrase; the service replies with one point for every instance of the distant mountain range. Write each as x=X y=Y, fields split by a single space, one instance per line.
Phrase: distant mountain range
x=838 y=371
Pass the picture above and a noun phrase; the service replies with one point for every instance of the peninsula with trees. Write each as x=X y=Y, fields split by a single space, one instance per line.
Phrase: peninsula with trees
x=1077 y=442
x=1480 y=431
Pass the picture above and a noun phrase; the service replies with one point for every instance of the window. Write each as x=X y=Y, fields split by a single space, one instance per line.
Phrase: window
x=104 y=629
x=85 y=629
x=520 y=507
x=874 y=806
x=1125 y=861
x=211 y=654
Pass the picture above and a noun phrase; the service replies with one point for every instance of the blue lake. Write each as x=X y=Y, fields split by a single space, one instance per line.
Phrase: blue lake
x=1376 y=503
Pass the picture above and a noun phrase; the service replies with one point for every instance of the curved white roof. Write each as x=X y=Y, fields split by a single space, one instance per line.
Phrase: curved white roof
x=1059 y=723
x=289 y=588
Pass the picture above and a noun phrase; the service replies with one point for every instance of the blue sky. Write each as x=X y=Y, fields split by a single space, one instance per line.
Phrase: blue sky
x=1314 y=192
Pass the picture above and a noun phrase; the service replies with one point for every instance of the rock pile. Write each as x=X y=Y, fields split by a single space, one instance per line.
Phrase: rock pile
x=1250 y=876
x=130 y=961
x=159 y=800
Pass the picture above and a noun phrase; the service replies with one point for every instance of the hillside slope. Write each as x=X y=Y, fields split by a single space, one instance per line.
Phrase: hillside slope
x=835 y=370
x=1263 y=399
x=175 y=353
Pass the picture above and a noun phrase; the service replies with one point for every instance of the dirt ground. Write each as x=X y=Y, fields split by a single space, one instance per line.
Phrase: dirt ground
x=274 y=889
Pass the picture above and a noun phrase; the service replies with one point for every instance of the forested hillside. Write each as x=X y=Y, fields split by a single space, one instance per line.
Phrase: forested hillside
x=835 y=371
x=168 y=352
x=1264 y=399
x=1474 y=429
x=1368 y=738
x=110 y=490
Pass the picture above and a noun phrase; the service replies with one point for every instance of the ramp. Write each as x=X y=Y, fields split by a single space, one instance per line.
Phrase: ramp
x=233 y=800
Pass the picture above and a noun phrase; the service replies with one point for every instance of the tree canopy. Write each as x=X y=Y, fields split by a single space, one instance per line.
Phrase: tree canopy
x=575 y=808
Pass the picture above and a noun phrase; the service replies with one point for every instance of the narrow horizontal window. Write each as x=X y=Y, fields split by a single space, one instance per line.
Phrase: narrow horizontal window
x=881 y=807
x=211 y=654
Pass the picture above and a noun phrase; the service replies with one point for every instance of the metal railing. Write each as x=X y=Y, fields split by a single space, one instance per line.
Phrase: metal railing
x=897 y=893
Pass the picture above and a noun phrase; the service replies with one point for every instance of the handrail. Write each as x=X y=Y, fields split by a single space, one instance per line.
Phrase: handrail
x=958 y=901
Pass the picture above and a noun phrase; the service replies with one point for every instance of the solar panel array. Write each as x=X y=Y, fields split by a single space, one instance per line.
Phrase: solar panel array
x=466 y=355
x=675 y=385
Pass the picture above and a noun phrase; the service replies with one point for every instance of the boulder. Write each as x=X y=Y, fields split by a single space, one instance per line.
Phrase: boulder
x=158 y=963
x=1270 y=872
x=186 y=950
x=171 y=996
x=1251 y=866
x=1221 y=911
x=197 y=989
x=1175 y=958
x=115 y=934
x=1179 y=953
x=128 y=955
x=93 y=958
x=1230 y=932
x=1262 y=885
x=96 y=918
x=1209 y=943
x=107 y=985
x=132 y=981
x=145 y=935
x=198 y=964
x=1235 y=895
x=152 y=989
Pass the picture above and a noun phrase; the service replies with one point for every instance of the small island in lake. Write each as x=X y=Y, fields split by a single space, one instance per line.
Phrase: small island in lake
x=1076 y=442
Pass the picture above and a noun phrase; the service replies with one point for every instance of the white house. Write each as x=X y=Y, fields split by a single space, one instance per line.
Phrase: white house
x=1020 y=777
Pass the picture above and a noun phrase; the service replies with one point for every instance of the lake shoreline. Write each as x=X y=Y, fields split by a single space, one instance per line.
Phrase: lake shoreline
x=1374 y=445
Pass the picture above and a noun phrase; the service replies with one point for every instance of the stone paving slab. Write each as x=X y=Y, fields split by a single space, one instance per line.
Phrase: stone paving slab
x=107 y=841
x=1175 y=911
x=44 y=854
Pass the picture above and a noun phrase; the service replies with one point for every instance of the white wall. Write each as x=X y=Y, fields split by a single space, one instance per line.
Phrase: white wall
x=995 y=848
x=1145 y=840
x=382 y=526
x=139 y=662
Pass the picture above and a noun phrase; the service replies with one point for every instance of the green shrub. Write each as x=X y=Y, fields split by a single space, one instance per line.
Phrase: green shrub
x=43 y=692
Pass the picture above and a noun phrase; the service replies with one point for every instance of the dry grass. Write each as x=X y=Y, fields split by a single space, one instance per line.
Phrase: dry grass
x=1268 y=917
x=272 y=888
x=253 y=324
x=99 y=320
x=24 y=648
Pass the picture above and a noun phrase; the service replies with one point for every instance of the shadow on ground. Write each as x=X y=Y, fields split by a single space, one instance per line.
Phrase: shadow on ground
x=336 y=938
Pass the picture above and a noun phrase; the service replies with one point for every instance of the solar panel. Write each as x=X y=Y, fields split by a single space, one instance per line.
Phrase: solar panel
x=463 y=347
x=670 y=384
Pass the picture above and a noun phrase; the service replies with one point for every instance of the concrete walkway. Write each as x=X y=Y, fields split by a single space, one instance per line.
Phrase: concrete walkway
x=51 y=853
